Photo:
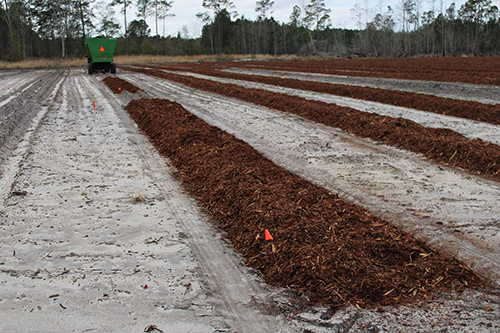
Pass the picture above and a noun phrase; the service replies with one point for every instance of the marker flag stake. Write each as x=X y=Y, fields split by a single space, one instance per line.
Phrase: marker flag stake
x=267 y=235
x=93 y=102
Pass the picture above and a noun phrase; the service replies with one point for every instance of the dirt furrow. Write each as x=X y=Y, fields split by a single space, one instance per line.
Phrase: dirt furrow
x=18 y=112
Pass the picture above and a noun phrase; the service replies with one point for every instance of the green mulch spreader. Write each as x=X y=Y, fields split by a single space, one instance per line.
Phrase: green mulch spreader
x=100 y=53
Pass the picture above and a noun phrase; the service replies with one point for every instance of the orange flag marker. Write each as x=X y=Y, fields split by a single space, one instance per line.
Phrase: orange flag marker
x=93 y=103
x=267 y=235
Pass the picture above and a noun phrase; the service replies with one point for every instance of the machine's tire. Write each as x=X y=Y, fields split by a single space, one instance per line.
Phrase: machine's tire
x=91 y=69
x=113 y=68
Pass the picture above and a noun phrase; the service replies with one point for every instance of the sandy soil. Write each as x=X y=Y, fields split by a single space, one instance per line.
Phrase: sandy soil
x=394 y=185
x=97 y=235
x=471 y=129
x=394 y=92
x=462 y=91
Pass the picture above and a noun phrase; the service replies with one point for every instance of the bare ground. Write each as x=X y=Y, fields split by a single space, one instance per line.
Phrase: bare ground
x=100 y=255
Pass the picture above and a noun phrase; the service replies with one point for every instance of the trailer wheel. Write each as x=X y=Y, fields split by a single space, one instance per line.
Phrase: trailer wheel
x=113 y=68
x=91 y=69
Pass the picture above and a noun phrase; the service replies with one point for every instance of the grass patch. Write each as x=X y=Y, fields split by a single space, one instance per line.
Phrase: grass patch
x=137 y=198
x=153 y=59
x=43 y=63
x=140 y=59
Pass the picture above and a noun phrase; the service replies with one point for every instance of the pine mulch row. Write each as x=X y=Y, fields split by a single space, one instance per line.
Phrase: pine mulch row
x=118 y=85
x=447 y=106
x=334 y=252
x=442 y=145
x=474 y=70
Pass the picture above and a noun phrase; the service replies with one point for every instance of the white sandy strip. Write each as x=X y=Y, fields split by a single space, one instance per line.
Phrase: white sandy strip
x=98 y=241
x=12 y=85
x=461 y=91
x=469 y=128
x=77 y=252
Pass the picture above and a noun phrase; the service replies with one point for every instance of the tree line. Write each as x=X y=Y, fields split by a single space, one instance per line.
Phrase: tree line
x=58 y=28
x=471 y=29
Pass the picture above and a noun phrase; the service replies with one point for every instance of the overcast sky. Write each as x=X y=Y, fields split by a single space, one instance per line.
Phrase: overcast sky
x=185 y=13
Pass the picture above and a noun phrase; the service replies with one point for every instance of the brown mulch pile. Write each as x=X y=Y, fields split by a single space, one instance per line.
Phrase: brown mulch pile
x=442 y=145
x=335 y=252
x=464 y=109
x=118 y=85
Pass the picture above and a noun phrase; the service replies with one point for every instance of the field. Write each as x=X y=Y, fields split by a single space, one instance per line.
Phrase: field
x=130 y=59
x=145 y=196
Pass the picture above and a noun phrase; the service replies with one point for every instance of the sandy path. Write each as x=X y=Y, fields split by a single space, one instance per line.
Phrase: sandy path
x=93 y=233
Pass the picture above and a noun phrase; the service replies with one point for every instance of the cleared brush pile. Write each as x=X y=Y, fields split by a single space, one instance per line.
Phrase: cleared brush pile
x=118 y=85
x=457 y=108
x=442 y=145
x=337 y=253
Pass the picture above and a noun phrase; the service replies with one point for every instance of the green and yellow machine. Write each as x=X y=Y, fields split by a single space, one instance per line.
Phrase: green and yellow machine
x=100 y=53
